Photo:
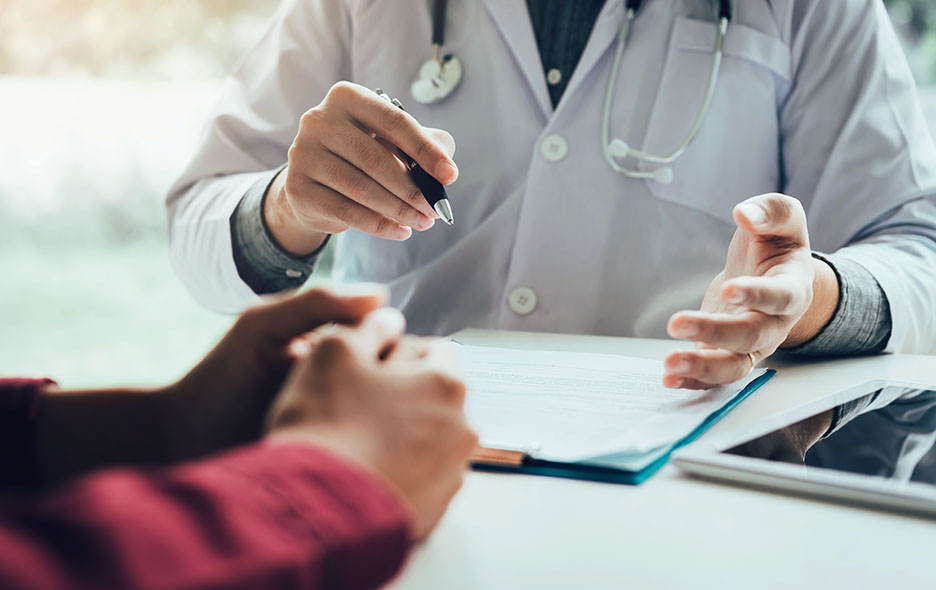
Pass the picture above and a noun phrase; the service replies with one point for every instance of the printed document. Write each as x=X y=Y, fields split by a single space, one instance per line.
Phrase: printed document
x=569 y=407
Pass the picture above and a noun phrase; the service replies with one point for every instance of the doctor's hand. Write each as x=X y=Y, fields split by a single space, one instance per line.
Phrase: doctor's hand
x=772 y=293
x=390 y=403
x=343 y=172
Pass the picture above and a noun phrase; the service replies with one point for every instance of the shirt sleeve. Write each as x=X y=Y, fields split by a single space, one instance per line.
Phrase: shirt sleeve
x=861 y=324
x=261 y=261
x=857 y=151
x=266 y=516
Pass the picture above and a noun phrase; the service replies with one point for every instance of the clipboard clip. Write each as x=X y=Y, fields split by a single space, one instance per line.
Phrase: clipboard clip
x=502 y=457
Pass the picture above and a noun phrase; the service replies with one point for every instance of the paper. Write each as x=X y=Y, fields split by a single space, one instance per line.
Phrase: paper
x=571 y=407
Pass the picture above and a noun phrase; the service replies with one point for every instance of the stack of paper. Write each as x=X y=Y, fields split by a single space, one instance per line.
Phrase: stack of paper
x=597 y=416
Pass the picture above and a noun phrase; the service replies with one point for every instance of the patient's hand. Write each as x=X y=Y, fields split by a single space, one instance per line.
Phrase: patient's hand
x=223 y=401
x=390 y=403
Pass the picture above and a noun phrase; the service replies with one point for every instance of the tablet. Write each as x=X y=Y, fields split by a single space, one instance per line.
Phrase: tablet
x=877 y=451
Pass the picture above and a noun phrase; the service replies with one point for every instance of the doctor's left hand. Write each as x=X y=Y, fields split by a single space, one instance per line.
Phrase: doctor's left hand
x=772 y=293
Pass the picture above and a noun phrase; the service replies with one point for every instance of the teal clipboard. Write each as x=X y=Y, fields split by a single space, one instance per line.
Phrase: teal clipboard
x=608 y=474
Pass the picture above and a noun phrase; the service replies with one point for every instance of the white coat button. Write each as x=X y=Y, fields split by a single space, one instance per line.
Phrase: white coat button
x=522 y=301
x=554 y=148
x=553 y=76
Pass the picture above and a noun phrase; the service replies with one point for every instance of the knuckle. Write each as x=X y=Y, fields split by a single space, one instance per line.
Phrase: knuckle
x=447 y=386
x=780 y=206
x=425 y=150
x=785 y=300
x=342 y=90
x=251 y=319
x=356 y=186
x=311 y=119
x=414 y=196
x=383 y=227
x=332 y=350
x=404 y=211
x=370 y=157
x=394 y=120
x=343 y=211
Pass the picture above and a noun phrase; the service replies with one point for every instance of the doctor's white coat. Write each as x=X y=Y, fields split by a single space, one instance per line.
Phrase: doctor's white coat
x=814 y=100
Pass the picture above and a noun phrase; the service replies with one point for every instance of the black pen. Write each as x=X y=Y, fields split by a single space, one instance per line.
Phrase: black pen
x=431 y=188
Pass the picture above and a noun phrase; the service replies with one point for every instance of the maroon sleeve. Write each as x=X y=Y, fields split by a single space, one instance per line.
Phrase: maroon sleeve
x=19 y=403
x=266 y=516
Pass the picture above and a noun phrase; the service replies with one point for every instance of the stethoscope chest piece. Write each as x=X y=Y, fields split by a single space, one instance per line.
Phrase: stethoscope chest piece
x=437 y=79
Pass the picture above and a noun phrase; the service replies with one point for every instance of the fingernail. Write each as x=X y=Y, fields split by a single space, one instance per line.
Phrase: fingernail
x=446 y=172
x=679 y=384
x=682 y=367
x=424 y=222
x=753 y=213
x=402 y=233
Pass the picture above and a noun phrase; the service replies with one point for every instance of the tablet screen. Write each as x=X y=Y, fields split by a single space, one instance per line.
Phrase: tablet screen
x=889 y=434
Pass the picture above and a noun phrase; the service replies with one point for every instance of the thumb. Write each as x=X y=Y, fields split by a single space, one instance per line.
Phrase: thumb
x=288 y=318
x=444 y=139
x=774 y=215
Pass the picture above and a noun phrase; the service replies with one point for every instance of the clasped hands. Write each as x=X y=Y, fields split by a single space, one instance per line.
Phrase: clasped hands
x=772 y=293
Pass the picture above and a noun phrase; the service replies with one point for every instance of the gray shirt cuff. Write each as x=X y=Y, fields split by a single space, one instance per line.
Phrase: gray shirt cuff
x=261 y=262
x=861 y=323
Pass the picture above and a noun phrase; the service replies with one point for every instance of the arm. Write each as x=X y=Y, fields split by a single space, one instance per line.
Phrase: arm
x=301 y=55
x=859 y=154
x=221 y=403
x=262 y=517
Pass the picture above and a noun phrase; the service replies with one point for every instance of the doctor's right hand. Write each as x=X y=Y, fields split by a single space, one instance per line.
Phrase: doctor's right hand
x=343 y=172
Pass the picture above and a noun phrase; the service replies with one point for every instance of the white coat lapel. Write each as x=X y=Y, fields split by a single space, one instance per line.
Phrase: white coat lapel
x=513 y=21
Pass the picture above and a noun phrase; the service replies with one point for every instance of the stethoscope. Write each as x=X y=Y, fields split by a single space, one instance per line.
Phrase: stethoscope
x=440 y=76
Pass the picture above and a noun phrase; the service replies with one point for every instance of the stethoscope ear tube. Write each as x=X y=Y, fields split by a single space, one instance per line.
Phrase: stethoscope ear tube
x=615 y=149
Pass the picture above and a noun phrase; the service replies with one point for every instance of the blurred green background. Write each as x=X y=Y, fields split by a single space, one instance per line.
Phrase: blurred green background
x=102 y=101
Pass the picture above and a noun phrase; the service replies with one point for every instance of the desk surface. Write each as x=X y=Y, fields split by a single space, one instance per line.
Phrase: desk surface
x=518 y=532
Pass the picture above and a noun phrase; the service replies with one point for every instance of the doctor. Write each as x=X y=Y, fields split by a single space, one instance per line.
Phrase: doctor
x=608 y=155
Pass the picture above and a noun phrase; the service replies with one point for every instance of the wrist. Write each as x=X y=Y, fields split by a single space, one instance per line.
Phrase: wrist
x=78 y=431
x=281 y=220
x=822 y=309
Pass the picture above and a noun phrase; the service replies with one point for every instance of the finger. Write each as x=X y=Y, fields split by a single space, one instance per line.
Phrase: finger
x=714 y=367
x=395 y=124
x=745 y=332
x=773 y=295
x=377 y=334
x=410 y=349
x=338 y=174
x=286 y=318
x=338 y=210
x=677 y=382
x=774 y=215
x=377 y=159
x=441 y=355
x=444 y=139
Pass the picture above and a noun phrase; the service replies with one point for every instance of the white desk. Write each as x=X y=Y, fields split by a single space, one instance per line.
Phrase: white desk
x=515 y=532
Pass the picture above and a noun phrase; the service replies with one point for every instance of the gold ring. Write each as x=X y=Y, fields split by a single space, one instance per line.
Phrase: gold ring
x=750 y=355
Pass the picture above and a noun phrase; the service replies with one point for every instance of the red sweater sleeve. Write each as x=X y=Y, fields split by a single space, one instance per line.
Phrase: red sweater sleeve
x=266 y=516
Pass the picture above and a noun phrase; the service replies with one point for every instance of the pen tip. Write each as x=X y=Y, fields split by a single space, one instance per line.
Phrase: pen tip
x=444 y=209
